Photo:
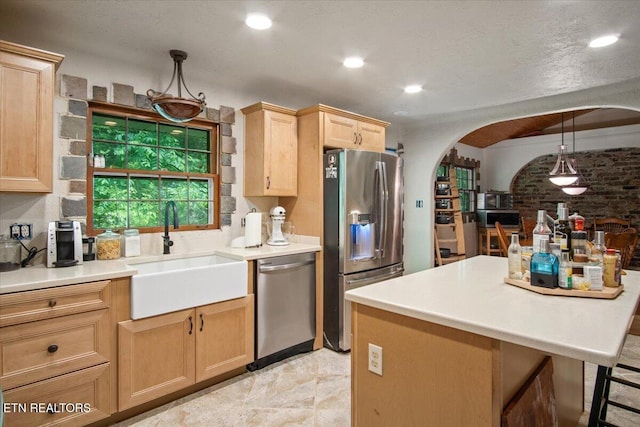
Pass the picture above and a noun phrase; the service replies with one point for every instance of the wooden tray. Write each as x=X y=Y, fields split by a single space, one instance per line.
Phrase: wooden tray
x=605 y=293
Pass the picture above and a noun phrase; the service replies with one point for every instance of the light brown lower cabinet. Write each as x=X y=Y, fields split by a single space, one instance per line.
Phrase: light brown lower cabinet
x=74 y=399
x=166 y=353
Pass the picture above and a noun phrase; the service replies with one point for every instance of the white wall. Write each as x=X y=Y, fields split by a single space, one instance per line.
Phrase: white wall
x=425 y=145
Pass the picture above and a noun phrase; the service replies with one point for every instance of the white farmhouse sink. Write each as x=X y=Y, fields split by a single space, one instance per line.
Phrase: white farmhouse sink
x=164 y=286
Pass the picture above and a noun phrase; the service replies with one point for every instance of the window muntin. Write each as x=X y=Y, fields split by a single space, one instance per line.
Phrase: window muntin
x=465 y=181
x=149 y=162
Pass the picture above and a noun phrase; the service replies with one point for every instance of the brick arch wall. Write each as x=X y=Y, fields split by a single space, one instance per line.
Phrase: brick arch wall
x=614 y=176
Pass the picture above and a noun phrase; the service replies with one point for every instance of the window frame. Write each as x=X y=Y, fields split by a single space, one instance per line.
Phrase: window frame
x=96 y=107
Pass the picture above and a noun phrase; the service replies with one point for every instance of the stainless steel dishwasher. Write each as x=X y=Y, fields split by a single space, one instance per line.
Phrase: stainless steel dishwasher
x=285 y=307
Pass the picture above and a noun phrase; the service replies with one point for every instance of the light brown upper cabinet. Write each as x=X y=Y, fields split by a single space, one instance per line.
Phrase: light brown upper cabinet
x=270 y=151
x=27 y=81
x=343 y=129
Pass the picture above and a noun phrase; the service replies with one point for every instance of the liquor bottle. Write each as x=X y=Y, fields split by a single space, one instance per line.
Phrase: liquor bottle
x=544 y=266
x=565 y=271
x=541 y=229
x=515 y=257
x=563 y=231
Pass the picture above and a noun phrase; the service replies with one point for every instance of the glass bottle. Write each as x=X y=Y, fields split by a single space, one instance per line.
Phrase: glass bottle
x=579 y=251
x=598 y=251
x=610 y=267
x=515 y=257
x=563 y=231
x=541 y=229
x=544 y=266
x=565 y=271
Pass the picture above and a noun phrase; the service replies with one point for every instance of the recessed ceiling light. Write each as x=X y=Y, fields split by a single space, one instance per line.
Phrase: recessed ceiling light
x=401 y=113
x=413 y=89
x=353 y=62
x=257 y=21
x=604 y=41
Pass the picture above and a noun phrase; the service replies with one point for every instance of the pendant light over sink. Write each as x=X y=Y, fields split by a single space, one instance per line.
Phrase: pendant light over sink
x=563 y=173
x=177 y=109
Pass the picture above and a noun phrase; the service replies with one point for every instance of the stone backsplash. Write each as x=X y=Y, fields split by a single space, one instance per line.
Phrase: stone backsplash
x=73 y=131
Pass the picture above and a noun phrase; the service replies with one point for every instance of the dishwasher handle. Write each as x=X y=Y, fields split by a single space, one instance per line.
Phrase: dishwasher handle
x=266 y=268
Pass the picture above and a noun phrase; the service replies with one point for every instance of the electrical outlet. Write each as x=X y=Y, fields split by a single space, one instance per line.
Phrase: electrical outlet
x=375 y=359
x=21 y=231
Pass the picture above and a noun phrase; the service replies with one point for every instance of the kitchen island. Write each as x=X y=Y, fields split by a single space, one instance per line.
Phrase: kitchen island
x=457 y=344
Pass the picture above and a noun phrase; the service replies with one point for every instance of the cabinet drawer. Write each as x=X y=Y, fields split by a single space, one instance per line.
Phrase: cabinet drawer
x=75 y=399
x=41 y=304
x=39 y=350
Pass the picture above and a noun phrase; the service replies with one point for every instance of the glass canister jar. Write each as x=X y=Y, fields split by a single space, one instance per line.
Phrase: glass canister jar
x=131 y=243
x=9 y=253
x=108 y=245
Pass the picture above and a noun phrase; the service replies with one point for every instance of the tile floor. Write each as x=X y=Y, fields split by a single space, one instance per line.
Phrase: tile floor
x=313 y=390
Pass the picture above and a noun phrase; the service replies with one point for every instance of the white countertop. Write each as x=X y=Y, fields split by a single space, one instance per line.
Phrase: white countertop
x=470 y=295
x=40 y=277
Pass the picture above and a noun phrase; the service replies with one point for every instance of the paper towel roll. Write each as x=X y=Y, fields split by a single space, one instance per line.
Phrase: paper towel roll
x=253 y=229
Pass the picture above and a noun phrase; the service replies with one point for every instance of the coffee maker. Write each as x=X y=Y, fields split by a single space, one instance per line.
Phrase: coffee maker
x=64 y=244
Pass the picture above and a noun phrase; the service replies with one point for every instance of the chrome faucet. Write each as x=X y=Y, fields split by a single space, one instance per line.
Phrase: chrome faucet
x=167 y=243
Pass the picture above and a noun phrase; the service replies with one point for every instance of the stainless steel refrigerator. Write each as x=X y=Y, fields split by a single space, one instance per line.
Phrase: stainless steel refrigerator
x=363 y=215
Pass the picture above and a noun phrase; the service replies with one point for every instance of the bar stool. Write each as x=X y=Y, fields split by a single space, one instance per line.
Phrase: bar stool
x=601 y=401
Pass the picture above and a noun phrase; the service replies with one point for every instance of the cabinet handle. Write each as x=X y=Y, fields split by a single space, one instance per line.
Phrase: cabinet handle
x=190 y=325
x=201 y=322
x=52 y=348
x=268 y=183
x=52 y=303
x=355 y=138
x=360 y=135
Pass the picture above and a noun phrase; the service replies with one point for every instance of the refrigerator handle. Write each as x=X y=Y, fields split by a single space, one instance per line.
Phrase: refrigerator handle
x=383 y=198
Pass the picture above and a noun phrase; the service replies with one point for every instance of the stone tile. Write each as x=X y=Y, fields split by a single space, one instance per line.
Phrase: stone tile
x=271 y=417
x=283 y=390
x=143 y=102
x=123 y=94
x=333 y=392
x=78 y=108
x=73 y=87
x=226 y=129
x=213 y=114
x=78 y=186
x=227 y=204
x=332 y=418
x=78 y=148
x=228 y=145
x=227 y=114
x=73 y=207
x=228 y=174
x=99 y=93
x=225 y=159
x=73 y=167
x=226 y=220
x=73 y=127
x=225 y=189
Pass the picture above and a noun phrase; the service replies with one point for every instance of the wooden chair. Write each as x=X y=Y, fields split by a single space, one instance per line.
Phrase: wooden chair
x=527 y=228
x=625 y=242
x=610 y=225
x=502 y=239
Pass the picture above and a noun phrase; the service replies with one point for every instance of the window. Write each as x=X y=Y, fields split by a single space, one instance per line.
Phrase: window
x=465 y=181
x=147 y=163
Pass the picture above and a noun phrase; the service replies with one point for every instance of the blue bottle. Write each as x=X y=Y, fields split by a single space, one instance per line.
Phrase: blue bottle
x=544 y=266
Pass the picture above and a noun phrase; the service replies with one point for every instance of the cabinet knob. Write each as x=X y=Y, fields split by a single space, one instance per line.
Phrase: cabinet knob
x=52 y=348
x=52 y=303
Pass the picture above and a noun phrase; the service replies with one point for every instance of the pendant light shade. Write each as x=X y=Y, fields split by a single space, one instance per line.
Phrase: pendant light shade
x=563 y=173
x=578 y=187
x=177 y=109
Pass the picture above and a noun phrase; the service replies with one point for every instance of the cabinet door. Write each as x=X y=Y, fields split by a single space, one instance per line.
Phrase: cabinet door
x=371 y=137
x=340 y=132
x=26 y=123
x=280 y=154
x=225 y=337
x=156 y=356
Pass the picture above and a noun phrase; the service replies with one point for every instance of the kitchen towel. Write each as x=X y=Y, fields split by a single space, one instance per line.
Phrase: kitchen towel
x=253 y=229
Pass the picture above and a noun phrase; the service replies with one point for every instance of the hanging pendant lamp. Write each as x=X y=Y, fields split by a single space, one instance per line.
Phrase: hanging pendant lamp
x=580 y=185
x=563 y=173
x=177 y=109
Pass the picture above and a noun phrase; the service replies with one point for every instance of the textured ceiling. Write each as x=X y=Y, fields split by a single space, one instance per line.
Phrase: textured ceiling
x=466 y=54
